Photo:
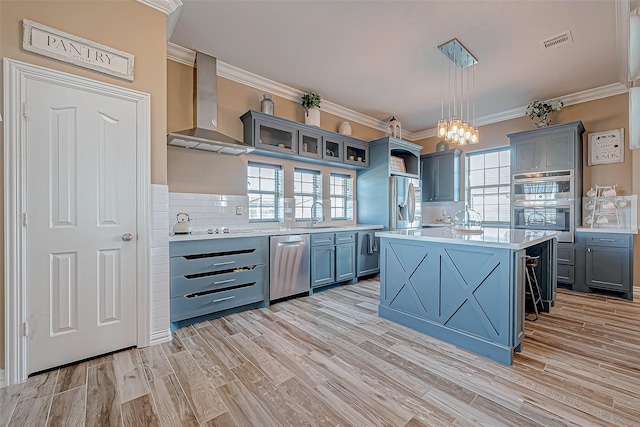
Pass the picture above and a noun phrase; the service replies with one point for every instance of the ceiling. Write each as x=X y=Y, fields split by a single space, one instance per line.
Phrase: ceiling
x=381 y=58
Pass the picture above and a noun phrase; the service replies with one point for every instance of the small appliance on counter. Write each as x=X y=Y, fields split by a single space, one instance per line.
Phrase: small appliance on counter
x=183 y=226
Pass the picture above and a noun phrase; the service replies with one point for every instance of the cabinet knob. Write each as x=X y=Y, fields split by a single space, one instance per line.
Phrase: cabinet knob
x=588 y=249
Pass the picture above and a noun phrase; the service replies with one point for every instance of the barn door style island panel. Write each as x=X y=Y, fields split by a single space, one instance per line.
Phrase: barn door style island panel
x=467 y=290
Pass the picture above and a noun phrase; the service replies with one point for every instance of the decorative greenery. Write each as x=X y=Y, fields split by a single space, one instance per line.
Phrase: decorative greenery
x=541 y=109
x=311 y=100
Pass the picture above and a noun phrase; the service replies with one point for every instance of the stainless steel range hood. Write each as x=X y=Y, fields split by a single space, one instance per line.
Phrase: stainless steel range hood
x=205 y=135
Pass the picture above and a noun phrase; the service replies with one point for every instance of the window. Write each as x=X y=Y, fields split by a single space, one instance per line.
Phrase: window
x=307 y=189
x=488 y=178
x=265 y=185
x=341 y=194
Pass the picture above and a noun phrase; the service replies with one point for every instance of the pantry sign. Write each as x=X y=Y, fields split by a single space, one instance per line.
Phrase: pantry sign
x=56 y=44
x=606 y=147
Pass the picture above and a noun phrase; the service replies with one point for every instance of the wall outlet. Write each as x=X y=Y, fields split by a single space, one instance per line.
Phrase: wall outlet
x=238 y=210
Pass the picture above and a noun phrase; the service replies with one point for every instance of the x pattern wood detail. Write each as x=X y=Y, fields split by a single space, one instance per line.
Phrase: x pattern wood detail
x=473 y=285
x=329 y=360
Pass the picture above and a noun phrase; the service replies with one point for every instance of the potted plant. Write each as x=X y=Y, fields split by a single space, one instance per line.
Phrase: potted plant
x=311 y=104
x=539 y=110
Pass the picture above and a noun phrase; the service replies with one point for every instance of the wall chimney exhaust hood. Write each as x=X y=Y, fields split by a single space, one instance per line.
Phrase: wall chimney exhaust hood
x=205 y=135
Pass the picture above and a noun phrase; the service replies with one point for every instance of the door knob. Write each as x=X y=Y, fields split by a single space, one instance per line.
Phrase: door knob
x=127 y=236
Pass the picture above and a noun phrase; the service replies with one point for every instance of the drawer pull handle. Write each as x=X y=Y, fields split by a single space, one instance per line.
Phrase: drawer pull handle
x=223 y=263
x=224 y=299
x=607 y=240
x=224 y=281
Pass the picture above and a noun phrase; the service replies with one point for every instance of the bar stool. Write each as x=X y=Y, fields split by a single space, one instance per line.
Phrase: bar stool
x=534 y=292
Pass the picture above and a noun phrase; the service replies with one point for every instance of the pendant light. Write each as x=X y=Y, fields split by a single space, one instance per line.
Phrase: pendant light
x=458 y=128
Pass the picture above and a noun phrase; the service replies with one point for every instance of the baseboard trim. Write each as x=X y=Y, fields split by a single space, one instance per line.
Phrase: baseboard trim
x=160 y=337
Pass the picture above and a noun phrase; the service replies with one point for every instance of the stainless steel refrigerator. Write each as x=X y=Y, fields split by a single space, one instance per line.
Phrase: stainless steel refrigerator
x=405 y=203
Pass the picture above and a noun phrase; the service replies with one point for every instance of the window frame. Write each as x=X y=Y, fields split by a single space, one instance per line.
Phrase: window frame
x=468 y=188
x=278 y=192
x=316 y=196
x=348 y=197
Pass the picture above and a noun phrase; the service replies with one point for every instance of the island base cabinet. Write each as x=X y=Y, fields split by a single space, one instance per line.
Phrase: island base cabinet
x=469 y=296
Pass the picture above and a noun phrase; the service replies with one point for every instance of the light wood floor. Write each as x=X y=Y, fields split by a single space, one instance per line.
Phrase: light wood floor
x=328 y=360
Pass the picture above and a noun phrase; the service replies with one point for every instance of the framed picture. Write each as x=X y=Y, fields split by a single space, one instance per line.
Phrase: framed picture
x=606 y=147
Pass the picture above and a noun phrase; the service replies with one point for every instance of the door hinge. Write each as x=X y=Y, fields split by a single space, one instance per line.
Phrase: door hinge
x=25 y=219
x=25 y=110
x=25 y=329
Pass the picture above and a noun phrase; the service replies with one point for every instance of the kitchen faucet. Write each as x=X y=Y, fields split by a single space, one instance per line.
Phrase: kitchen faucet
x=313 y=221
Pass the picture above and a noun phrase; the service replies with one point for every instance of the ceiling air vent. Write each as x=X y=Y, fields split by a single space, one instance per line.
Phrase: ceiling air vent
x=558 y=41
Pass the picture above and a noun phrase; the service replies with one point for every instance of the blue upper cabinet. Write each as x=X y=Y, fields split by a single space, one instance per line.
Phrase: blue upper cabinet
x=440 y=174
x=277 y=137
x=333 y=147
x=547 y=149
x=270 y=133
x=310 y=143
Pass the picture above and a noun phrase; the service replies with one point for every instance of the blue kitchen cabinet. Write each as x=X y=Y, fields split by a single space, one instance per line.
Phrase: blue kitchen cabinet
x=440 y=174
x=550 y=148
x=214 y=277
x=278 y=137
x=323 y=265
x=368 y=262
x=345 y=256
x=607 y=260
x=332 y=258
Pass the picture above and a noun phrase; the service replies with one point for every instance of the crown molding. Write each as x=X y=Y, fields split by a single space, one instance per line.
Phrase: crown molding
x=187 y=57
x=164 y=6
x=181 y=54
x=571 y=99
x=595 y=93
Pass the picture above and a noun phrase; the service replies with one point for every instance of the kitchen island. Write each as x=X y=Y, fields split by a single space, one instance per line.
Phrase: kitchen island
x=465 y=289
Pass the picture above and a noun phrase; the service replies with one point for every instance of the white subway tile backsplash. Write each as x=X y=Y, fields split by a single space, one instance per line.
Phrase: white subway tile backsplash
x=209 y=210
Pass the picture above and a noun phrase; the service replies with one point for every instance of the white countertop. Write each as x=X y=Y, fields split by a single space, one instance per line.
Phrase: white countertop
x=280 y=231
x=504 y=238
x=437 y=224
x=587 y=229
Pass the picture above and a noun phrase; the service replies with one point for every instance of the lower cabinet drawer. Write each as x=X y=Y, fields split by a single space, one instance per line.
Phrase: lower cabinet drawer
x=566 y=273
x=184 y=285
x=186 y=308
x=566 y=254
x=219 y=260
x=602 y=239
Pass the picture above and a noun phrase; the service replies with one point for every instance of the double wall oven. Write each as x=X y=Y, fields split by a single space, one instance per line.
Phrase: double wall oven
x=544 y=201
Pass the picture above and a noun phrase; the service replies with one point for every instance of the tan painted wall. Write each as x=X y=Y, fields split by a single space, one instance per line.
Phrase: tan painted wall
x=597 y=116
x=125 y=25
x=200 y=172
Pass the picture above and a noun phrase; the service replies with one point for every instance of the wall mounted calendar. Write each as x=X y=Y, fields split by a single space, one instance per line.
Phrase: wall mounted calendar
x=606 y=147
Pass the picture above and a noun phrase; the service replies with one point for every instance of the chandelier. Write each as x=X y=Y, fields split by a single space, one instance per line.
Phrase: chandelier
x=460 y=127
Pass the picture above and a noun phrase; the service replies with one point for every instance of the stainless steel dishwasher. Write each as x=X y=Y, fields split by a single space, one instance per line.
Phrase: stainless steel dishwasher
x=289 y=272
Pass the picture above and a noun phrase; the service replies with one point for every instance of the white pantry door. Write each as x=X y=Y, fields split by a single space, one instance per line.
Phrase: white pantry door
x=80 y=223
